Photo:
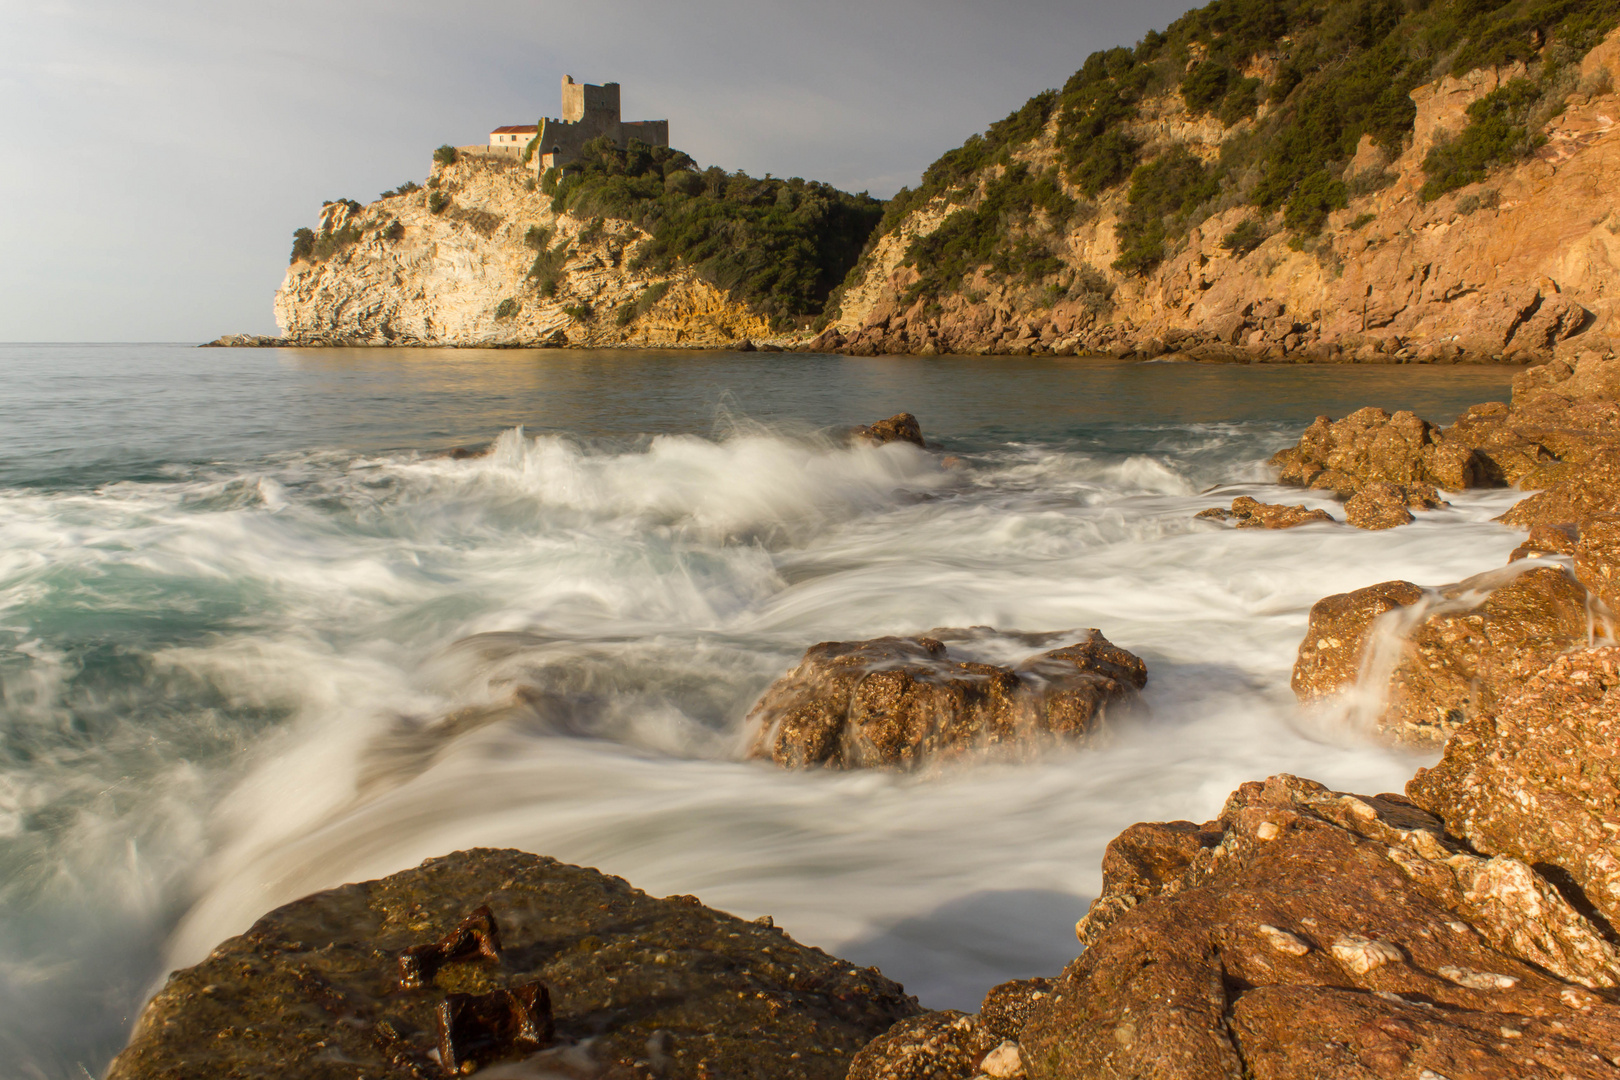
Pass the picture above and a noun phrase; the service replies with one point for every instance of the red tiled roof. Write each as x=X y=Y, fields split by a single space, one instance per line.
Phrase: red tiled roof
x=517 y=129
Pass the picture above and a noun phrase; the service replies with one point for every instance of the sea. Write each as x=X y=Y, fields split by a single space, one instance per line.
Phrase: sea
x=262 y=633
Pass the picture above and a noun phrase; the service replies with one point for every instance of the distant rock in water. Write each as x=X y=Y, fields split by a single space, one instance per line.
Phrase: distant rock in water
x=567 y=973
x=900 y=701
x=1247 y=513
x=1454 y=656
x=901 y=427
x=1371 y=446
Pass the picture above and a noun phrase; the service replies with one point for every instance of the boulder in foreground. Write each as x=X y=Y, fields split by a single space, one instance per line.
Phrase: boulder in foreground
x=899 y=701
x=1308 y=933
x=636 y=986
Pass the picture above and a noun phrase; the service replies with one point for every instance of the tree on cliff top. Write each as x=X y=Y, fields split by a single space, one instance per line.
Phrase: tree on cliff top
x=777 y=245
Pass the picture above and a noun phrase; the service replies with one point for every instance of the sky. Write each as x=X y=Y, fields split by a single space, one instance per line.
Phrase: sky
x=158 y=154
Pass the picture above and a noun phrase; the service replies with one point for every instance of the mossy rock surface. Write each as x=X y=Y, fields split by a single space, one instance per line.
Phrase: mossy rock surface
x=640 y=986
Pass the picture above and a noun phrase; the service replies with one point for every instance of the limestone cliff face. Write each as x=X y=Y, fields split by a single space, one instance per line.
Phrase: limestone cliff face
x=1512 y=268
x=402 y=273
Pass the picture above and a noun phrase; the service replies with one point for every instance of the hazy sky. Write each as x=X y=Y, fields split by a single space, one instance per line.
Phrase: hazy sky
x=158 y=154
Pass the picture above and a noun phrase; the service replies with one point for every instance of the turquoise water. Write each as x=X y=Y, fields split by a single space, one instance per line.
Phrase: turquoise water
x=240 y=592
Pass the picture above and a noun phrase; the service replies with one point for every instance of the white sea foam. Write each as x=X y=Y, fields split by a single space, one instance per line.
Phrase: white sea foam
x=330 y=648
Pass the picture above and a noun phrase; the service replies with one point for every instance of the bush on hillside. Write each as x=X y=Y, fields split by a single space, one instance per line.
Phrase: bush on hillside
x=437 y=201
x=445 y=155
x=780 y=255
x=1163 y=195
x=1496 y=135
x=1244 y=238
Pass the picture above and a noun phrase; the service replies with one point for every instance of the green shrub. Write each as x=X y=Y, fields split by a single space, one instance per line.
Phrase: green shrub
x=1483 y=199
x=650 y=296
x=1241 y=101
x=1206 y=85
x=394 y=230
x=1163 y=195
x=580 y=312
x=303 y=244
x=1317 y=195
x=1496 y=135
x=537 y=237
x=548 y=182
x=1245 y=237
x=445 y=155
x=1362 y=221
x=437 y=201
x=311 y=246
x=994 y=234
x=407 y=188
x=780 y=256
x=508 y=308
x=625 y=313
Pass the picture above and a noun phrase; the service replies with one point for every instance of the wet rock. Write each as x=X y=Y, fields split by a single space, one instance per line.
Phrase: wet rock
x=897 y=702
x=1418 y=956
x=945 y=1045
x=1597 y=558
x=312 y=990
x=901 y=427
x=1336 y=637
x=1547 y=540
x=476 y=1029
x=1009 y=1005
x=1382 y=505
x=1584 y=487
x=1538 y=780
x=1247 y=513
x=475 y=938
x=1370 y=445
x=1454 y=655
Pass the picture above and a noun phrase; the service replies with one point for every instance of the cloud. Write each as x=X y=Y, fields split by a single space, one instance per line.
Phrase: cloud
x=160 y=152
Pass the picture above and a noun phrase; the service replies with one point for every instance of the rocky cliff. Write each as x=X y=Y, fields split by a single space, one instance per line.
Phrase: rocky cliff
x=1508 y=267
x=478 y=258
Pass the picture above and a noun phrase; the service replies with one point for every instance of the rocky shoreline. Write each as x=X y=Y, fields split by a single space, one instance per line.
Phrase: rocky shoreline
x=1463 y=928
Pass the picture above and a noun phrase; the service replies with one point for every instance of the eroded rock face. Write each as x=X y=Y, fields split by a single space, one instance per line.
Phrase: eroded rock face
x=897 y=702
x=1539 y=779
x=1308 y=933
x=1459 y=653
x=1382 y=505
x=1370 y=446
x=314 y=988
x=1247 y=513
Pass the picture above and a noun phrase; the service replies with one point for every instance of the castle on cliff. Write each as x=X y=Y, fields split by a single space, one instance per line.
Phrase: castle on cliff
x=587 y=112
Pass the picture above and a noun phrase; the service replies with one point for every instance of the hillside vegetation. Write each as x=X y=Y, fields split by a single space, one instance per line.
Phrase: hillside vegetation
x=1294 y=85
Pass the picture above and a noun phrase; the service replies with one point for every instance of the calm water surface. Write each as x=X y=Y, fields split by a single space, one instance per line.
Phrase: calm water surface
x=240 y=590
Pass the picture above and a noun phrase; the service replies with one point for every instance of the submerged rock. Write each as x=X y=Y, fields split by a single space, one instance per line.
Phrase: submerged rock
x=899 y=701
x=1454 y=657
x=626 y=984
x=1247 y=513
x=1308 y=933
x=901 y=427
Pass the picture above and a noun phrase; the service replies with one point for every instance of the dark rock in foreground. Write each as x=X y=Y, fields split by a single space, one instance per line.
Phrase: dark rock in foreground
x=637 y=986
x=897 y=701
x=1247 y=513
x=1308 y=933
